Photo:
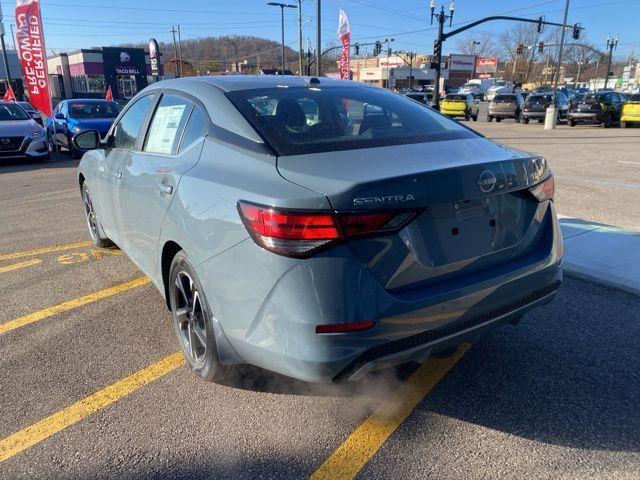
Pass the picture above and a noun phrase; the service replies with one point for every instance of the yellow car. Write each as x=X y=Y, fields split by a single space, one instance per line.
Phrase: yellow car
x=630 y=111
x=460 y=105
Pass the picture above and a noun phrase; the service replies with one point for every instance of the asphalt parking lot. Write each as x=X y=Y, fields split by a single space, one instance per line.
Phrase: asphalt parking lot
x=92 y=387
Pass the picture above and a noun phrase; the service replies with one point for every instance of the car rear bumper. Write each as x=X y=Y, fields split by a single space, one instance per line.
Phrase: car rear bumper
x=453 y=113
x=630 y=118
x=584 y=117
x=502 y=114
x=536 y=115
x=272 y=324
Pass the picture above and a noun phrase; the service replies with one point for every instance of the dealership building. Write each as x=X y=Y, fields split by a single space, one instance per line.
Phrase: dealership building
x=394 y=70
x=87 y=73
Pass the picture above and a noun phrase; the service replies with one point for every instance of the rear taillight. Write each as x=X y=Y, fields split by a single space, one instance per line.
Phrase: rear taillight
x=300 y=233
x=544 y=190
x=345 y=327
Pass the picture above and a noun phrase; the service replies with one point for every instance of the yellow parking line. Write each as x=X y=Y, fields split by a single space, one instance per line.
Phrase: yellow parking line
x=39 y=431
x=370 y=435
x=39 y=251
x=17 y=266
x=71 y=304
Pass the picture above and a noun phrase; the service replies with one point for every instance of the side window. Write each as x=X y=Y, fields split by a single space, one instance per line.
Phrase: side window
x=166 y=125
x=64 y=109
x=128 y=128
x=197 y=127
x=608 y=99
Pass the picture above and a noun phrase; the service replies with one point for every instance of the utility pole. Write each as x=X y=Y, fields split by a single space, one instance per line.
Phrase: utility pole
x=612 y=44
x=282 y=7
x=300 y=37
x=4 y=51
x=180 y=50
x=175 y=51
x=318 y=38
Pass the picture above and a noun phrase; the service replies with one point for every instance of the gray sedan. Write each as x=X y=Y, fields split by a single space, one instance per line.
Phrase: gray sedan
x=20 y=136
x=319 y=228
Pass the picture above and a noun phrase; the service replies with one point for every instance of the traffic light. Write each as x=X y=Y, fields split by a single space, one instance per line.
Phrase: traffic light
x=356 y=49
x=540 y=20
x=576 y=31
x=540 y=47
x=377 y=49
x=520 y=50
x=437 y=47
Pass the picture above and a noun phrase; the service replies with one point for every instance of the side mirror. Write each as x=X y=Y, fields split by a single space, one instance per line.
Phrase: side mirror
x=88 y=140
x=60 y=116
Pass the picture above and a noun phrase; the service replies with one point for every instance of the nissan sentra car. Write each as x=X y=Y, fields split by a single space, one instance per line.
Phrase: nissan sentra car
x=321 y=243
x=71 y=117
x=20 y=136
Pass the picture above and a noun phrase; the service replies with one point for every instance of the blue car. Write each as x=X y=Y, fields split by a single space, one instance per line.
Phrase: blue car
x=319 y=228
x=78 y=115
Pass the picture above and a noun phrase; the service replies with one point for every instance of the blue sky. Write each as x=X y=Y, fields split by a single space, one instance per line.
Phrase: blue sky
x=73 y=24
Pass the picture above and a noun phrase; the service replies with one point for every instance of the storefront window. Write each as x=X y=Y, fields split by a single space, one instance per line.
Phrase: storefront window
x=88 y=83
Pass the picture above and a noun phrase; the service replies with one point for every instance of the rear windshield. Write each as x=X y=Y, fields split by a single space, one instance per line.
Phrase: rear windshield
x=539 y=98
x=504 y=98
x=27 y=106
x=11 y=111
x=592 y=98
x=299 y=120
x=454 y=97
x=93 y=110
x=634 y=98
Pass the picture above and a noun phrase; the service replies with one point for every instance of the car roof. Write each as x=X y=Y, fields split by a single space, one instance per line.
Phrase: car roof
x=231 y=83
x=87 y=100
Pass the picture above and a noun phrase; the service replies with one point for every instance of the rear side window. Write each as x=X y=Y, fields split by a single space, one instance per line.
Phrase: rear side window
x=128 y=128
x=197 y=127
x=504 y=98
x=167 y=124
x=299 y=120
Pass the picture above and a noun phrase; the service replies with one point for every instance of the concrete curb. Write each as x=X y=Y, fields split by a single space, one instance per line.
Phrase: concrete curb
x=602 y=254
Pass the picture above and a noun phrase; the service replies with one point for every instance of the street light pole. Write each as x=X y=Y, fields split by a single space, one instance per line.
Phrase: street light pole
x=318 y=38
x=612 y=43
x=4 y=51
x=437 y=46
x=552 y=113
x=300 y=37
x=282 y=7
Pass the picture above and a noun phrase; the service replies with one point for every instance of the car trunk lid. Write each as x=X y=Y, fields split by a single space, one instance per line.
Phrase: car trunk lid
x=472 y=213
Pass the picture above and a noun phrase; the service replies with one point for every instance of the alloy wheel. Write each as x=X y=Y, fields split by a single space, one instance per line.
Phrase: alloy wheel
x=190 y=318
x=92 y=221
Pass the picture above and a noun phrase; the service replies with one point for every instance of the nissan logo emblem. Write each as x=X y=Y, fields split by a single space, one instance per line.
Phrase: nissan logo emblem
x=5 y=141
x=487 y=181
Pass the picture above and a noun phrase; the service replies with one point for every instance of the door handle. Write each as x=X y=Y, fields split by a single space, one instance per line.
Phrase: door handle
x=117 y=175
x=165 y=189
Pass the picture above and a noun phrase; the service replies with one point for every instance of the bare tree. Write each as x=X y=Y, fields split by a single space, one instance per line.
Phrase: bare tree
x=480 y=43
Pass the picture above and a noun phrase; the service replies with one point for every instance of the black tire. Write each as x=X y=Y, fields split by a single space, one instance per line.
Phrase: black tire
x=95 y=229
x=498 y=119
x=540 y=120
x=525 y=120
x=193 y=321
x=467 y=115
x=489 y=118
x=572 y=123
x=607 y=121
x=475 y=117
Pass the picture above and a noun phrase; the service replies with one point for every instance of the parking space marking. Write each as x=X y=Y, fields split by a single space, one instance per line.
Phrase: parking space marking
x=39 y=251
x=17 y=266
x=629 y=163
x=39 y=431
x=70 y=304
x=370 y=435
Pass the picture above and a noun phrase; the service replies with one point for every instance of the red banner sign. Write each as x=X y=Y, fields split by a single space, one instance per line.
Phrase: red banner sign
x=344 y=34
x=486 y=65
x=33 y=57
